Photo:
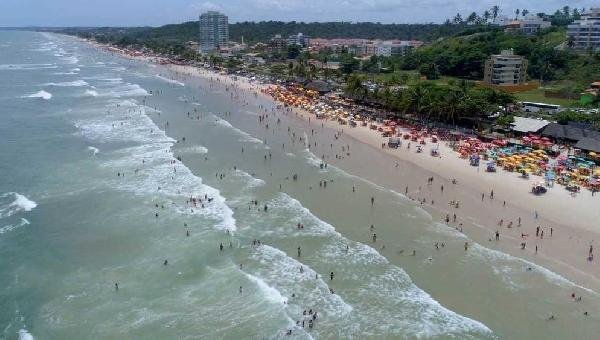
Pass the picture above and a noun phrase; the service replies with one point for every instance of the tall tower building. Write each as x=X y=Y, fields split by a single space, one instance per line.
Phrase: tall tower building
x=214 y=31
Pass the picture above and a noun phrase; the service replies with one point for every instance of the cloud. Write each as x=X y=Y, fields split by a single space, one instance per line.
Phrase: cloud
x=206 y=6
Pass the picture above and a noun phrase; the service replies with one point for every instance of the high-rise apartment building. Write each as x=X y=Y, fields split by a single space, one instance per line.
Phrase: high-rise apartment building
x=214 y=31
x=584 y=34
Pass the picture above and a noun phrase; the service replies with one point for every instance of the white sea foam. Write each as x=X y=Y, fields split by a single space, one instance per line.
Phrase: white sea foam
x=91 y=93
x=269 y=292
x=503 y=263
x=25 y=335
x=282 y=272
x=40 y=94
x=198 y=149
x=119 y=91
x=126 y=90
x=399 y=307
x=12 y=203
x=129 y=103
x=76 y=83
x=93 y=150
x=10 y=67
x=251 y=181
x=171 y=81
x=246 y=137
x=159 y=172
x=496 y=256
x=71 y=59
x=289 y=206
x=11 y=227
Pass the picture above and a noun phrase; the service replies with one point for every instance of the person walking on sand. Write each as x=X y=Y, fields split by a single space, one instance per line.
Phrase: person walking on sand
x=299 y=251
x=331 y=276
x=372 y=201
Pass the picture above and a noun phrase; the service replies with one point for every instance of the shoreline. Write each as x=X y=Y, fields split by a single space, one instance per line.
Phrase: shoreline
x=564 y=252
x=560 y=256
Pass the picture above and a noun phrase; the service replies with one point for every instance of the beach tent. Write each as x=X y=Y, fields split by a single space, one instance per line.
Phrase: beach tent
x=570 y=132
x=318 y=86
x=528 y=125
x=588 y=144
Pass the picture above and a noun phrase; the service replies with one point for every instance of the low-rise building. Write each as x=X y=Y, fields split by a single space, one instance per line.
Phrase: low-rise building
x=277 y=44
x=584 y=34
x=392 y=48
x=530 y=24
x=505 y=69
x=364 y=47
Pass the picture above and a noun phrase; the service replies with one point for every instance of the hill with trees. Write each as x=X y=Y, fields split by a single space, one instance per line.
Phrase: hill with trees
x=253 y=32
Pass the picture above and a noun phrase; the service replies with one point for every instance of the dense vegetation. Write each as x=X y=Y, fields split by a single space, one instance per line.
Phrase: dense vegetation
x=456 y=103
x=263 y=31
x=464 y=56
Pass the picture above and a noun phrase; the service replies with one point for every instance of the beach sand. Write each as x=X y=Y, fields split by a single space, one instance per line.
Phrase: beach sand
x=570 y=217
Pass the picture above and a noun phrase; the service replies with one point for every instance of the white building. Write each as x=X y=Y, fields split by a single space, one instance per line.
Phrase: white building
x=214 y=31
x=584 y=34
x=505 y=69
x=530 y=24
x=299 y=40
x=390 y=48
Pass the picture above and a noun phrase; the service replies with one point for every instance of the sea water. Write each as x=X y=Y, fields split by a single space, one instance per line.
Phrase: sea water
x=100 y=158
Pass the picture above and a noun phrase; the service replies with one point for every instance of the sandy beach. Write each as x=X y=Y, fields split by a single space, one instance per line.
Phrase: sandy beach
x=570 y=217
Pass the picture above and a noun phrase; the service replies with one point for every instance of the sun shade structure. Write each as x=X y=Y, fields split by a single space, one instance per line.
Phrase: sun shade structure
x=588 y=144
x=528 y=125
x=569 y=132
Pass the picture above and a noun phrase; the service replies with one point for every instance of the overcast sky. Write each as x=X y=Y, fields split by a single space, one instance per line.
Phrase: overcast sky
x=160 y=12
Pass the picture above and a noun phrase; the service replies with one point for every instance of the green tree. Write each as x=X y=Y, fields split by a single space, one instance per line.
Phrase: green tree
x=430 y=70
x=495 y=11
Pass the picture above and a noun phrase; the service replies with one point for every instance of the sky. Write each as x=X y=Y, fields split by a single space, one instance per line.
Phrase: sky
x=160 y=12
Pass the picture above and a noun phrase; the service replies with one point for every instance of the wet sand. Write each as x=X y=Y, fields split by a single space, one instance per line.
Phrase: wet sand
x=569 y=217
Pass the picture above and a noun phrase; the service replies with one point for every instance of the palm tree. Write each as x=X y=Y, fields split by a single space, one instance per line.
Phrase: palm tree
x=517 y=11
x=458 y=19
x=472 y=18
x=486 y=16
x=452 y=104
x=524 y=12
x=416 y=99
x=495 y=11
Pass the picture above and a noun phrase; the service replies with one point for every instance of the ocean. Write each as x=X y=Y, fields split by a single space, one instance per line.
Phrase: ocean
x=213 y=226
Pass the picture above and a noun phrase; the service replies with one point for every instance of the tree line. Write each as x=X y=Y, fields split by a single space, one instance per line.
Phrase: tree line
x=460 y=103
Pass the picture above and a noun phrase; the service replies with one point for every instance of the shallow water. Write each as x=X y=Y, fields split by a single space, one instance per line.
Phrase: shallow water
x=90 y=155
